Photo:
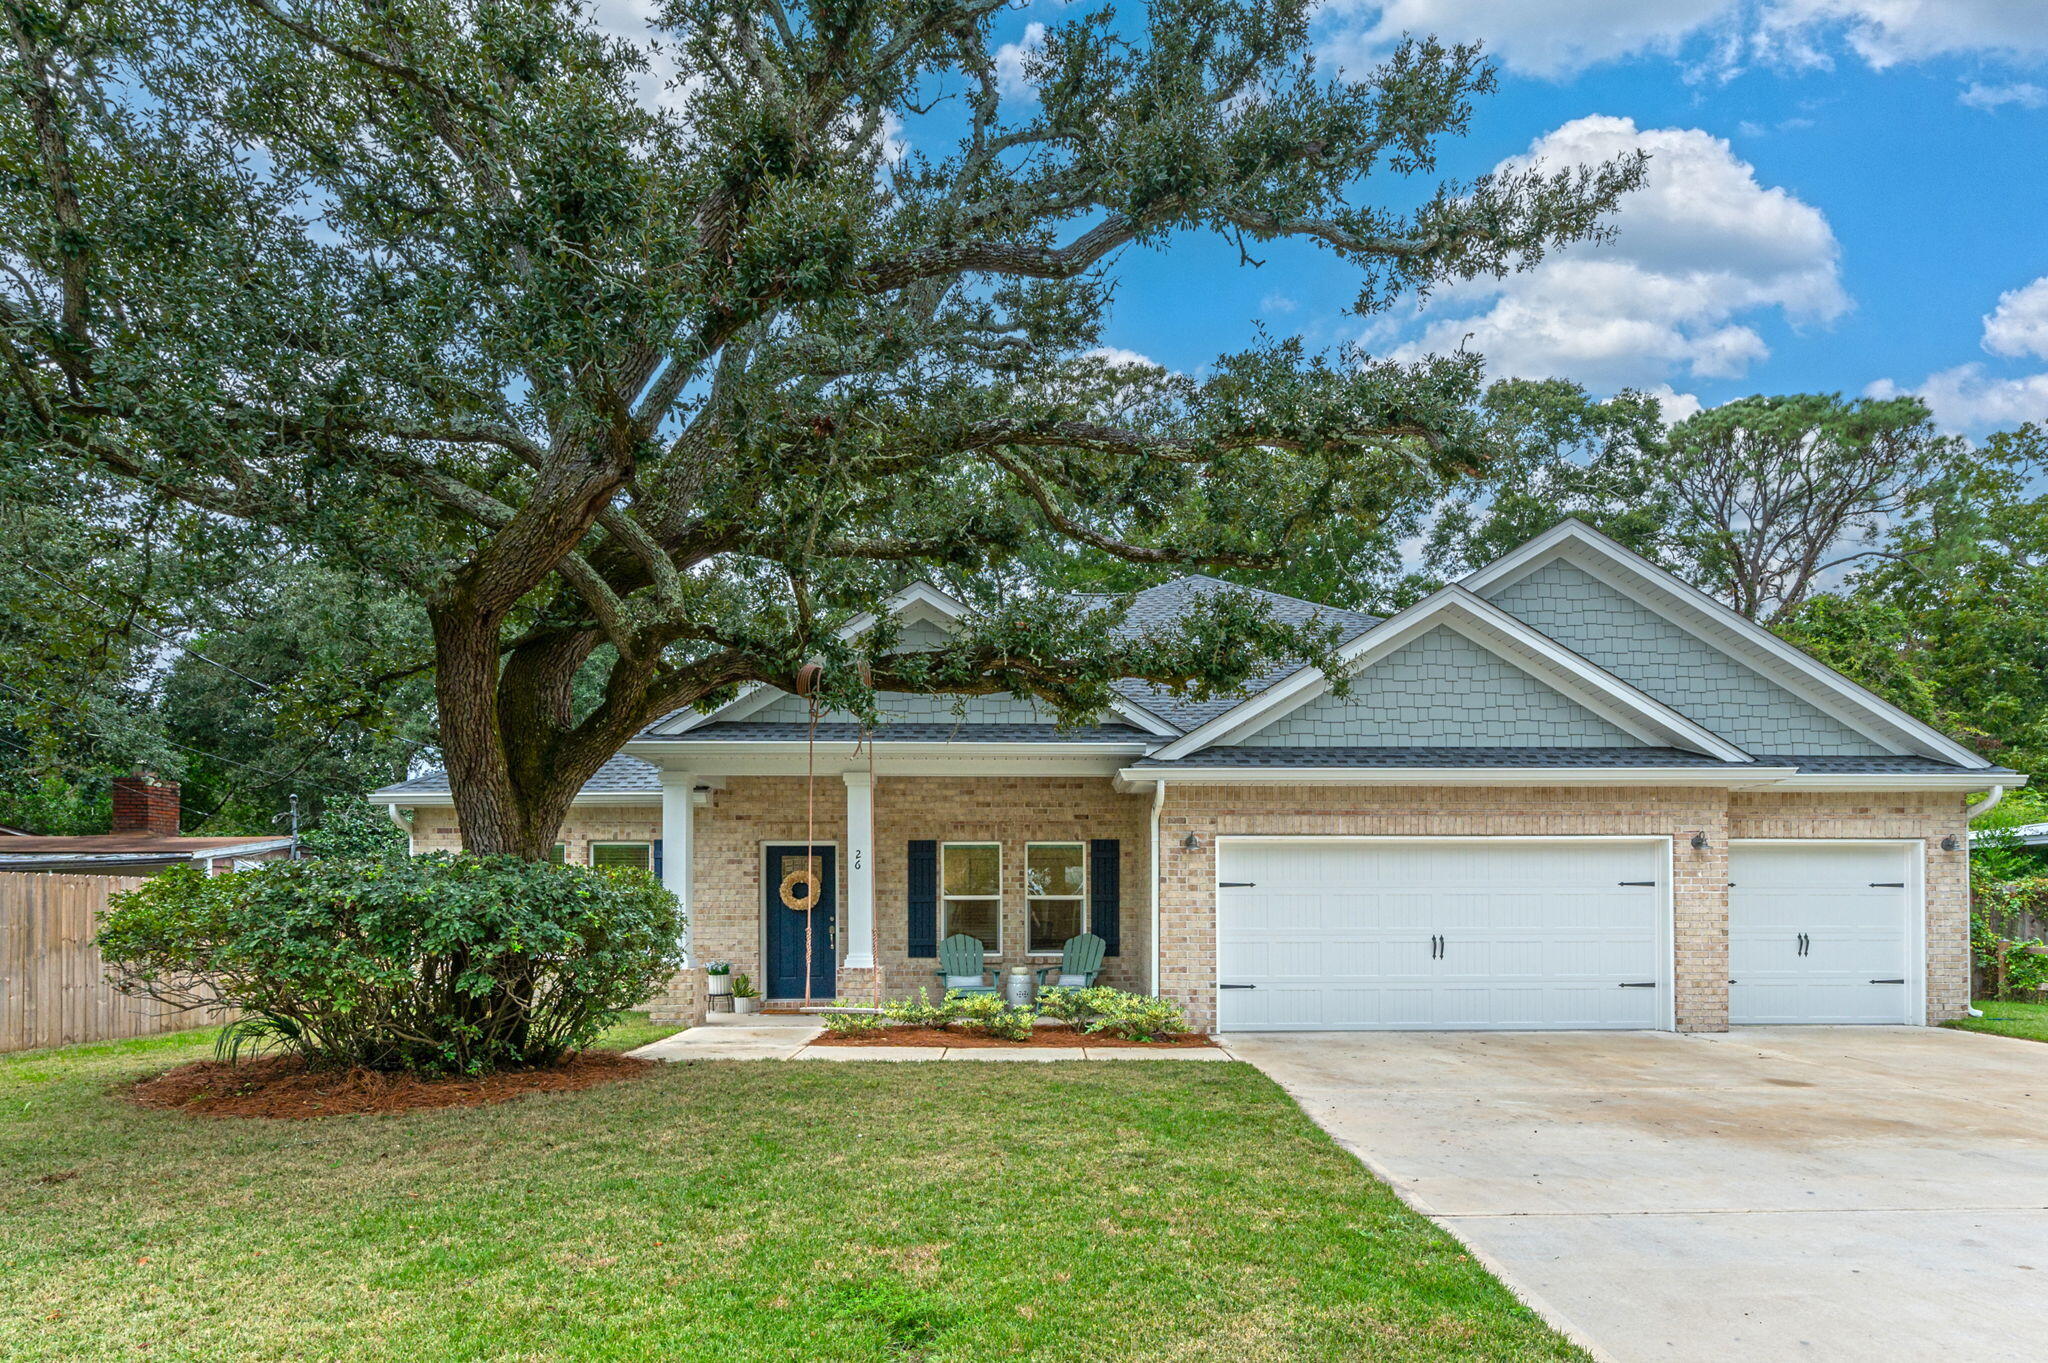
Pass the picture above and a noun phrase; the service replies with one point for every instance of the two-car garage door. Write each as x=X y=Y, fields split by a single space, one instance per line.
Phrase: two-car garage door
x=1533 y=933
x=1465 y=933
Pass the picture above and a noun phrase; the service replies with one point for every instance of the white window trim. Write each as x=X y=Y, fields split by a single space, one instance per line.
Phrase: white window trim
x=591 y=850
x=1082 y=845
x=945 y=847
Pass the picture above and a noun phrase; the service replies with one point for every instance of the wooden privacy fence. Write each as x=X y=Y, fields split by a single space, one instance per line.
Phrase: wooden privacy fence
x=53 y=990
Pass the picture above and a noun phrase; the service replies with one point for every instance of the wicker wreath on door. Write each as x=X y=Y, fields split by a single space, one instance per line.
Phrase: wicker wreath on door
x=801 y=889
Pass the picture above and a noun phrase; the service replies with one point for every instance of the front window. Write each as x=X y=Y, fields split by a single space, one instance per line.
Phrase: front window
x=1055 y=890
x=971 y=898
x=639 y=855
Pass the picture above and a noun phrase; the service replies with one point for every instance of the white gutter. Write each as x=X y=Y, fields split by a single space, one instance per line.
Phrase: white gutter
x=404 y=825
x=1985 y=805
x=1158 y=803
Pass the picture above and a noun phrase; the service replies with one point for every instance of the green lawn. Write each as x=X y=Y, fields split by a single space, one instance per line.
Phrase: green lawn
x=2028 y=1021
x=725 y=1210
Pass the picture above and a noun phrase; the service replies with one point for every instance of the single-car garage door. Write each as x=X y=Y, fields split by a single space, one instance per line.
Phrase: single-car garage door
x=1464 y=933
x=1821 y=932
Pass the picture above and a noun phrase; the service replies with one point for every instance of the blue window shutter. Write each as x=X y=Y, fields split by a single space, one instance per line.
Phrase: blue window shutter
x=1105 y=899
x=923 y=882
x=657 y=858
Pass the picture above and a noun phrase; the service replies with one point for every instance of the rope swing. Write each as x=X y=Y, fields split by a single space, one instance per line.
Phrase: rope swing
x=802 y=889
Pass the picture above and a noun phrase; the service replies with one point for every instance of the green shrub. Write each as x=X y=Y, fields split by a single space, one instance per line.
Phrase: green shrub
x=921 y=1011
x=1064 y=1004
x=989 y=1015
x=851 y=1024
x=1136 y=1017
x=433 y=964
x=2009 y=967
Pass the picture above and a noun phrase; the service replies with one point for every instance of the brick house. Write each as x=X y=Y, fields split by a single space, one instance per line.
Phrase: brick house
x=1569 y=791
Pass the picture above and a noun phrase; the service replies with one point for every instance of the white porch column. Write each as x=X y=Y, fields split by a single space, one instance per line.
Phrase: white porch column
x=678 y=843
x=860 y=872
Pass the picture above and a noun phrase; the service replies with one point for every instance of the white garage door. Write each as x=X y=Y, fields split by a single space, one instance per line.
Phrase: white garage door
x=1820 y=932
x=1442 y=933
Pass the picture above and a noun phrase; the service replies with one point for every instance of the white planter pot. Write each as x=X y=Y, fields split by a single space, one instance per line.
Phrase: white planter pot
x=752 y=1005
x=718 y=985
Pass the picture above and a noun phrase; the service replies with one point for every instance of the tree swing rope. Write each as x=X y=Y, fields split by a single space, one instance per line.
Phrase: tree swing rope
x=806 y=898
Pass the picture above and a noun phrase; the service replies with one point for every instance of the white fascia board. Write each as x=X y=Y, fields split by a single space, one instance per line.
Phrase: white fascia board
x=1460 y=776
x=1960 y=781
x=1601 y=691
x=1834 y=693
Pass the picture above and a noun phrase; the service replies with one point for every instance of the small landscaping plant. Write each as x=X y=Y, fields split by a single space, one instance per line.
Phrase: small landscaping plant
x=435 y=964
x=852 y=1023
x=990 y=1015
x=743 y=987
x=1063 y=1004
x=921 y=1011
x=1135 y=1017
x=718 y=967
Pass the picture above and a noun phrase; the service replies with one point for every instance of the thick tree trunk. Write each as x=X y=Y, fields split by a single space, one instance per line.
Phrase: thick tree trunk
x=510 y=787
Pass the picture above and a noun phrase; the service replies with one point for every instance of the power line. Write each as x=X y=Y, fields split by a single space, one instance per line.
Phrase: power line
x=259 y=685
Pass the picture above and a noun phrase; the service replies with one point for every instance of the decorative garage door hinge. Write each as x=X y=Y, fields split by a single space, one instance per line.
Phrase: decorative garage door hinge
x=1235 y=884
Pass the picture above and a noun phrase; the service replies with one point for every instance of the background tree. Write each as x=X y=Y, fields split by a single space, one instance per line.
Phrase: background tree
x=638 y=400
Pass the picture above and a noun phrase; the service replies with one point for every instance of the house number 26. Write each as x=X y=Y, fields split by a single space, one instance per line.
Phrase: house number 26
x=858 y=855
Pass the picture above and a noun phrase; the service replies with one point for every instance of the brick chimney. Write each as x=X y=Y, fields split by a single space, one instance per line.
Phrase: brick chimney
x=143 y=804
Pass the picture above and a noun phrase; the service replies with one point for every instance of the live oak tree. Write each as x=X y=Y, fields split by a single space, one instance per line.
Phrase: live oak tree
x=641 y=362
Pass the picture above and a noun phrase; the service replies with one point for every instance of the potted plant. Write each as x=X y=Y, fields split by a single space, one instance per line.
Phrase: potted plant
x=718 y=977
x=745 y=998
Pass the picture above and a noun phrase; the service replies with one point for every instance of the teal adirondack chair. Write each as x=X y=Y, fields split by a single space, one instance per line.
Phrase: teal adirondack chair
x=961 y=961
x=1080 y=963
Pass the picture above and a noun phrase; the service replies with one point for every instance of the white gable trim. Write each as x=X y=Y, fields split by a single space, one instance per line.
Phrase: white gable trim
x=1499 y=633
x=1716 y=625
x=920 y=601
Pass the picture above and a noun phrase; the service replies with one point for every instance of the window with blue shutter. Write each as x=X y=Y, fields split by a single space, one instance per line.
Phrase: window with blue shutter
x=922 y=880
x=1105 y=904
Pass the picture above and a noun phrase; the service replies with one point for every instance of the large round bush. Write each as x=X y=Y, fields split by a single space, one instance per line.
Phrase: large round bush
x=434 y=964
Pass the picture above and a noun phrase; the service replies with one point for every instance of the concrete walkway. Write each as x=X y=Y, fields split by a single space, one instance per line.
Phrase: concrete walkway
x=1812 y=1193
x=786 y=1036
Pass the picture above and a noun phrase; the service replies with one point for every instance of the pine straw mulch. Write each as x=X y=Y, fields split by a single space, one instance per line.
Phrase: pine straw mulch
x=287 y=1087
x=1068 y=1037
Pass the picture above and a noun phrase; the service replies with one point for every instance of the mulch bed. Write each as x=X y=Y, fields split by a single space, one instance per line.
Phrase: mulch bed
x=1040 y=1036
x=286 y=1086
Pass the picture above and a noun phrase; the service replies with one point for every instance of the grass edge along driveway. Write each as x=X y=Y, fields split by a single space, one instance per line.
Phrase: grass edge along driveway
x=726 y=1210
x=2027 y=1021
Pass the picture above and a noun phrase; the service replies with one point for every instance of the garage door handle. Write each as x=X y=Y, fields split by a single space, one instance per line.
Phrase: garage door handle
x=1237 y=986
x=1887 y=884
x=1887 y=981
x=1650 y=883
x=1236 y=885
x=1646 y=984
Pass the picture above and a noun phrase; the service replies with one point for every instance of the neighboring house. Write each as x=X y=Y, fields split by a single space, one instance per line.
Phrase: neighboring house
x=1569 y=791
x=143 y=842
x=2022 y=835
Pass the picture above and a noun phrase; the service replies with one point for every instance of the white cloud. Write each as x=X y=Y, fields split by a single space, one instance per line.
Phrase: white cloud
x=1966 y=398
x=1558 y=37
x=1011 y=59
x=2023 y=94
x=1698 y=248
x=1540 y=37
x=2019 y=324
x=1676 y=406
x=1886 y=32
x=1277 y=303
x=1116 y=357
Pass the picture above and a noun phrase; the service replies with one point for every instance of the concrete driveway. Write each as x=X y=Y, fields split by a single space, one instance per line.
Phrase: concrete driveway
x=1815 y=1193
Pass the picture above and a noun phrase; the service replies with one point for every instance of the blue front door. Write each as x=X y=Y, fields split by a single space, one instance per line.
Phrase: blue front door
x=786 y=926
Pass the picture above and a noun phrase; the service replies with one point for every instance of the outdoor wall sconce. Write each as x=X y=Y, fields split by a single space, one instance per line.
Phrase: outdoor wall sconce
x=1949 y=843
x=1193 y=842
x=1699 y=842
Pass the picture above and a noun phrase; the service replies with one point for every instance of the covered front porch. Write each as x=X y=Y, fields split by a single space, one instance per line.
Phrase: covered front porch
x=1020 y=846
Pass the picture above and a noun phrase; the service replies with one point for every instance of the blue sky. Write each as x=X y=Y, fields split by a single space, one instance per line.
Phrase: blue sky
x=1844 y=195
x=1841 y=192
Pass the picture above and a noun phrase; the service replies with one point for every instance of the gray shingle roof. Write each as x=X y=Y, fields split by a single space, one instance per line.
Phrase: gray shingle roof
x=1160 y=606
x=621 y=776
x=1882 y=765
x=1561 y=758
x=740 y=731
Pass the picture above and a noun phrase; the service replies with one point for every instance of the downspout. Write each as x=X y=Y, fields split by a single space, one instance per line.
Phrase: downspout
x=404 y=825
x=1158 y=804
x=1982 y=807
